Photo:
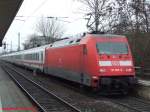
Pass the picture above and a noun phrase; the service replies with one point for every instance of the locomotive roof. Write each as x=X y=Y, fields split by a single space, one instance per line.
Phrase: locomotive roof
x=76 y=39
x=69 y=41
x=81 y=35
x=108 y=36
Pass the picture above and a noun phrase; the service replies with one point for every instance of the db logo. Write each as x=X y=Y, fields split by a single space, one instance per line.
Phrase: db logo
x=115 y=63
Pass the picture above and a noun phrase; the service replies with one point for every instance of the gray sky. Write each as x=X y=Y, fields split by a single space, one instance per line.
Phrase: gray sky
x=32 y=10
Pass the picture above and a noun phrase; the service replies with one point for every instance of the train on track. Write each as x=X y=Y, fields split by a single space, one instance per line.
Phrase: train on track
x=98 y=61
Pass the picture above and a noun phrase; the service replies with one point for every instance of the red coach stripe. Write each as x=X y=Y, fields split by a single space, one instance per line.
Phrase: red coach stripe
x=32 y=109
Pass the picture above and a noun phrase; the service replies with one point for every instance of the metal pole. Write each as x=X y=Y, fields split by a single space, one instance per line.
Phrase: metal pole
x=11 y=47
x=96 y=16
x=19 y=41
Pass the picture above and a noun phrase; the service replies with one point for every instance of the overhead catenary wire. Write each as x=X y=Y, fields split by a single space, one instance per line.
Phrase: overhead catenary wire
x=36 y=9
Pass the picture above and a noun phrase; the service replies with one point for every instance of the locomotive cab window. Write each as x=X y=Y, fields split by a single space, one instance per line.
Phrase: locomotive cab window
x=112 y=48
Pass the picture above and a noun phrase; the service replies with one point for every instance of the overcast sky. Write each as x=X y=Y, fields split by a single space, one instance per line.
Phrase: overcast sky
x=31 y=11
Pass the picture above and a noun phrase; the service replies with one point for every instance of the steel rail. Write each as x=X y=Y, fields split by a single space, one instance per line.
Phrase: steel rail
x=60 y=99
x=133 y=103
x=128 y=106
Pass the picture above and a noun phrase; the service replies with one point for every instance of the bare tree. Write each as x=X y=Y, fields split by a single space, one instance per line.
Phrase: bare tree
x=50 y=29
x=98 y=12
x=141 y=13
x=128 y=17
x=122 y=20
x=33 y=41
x=146 y=15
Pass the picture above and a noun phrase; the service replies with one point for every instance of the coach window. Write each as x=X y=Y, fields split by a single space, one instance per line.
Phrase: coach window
x=28 y=57
x=25 y=56
x=41 y=56
x=34 y=56
x=37 y=56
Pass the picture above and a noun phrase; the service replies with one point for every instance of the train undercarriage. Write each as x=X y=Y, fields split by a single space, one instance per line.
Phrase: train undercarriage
x=115 y=85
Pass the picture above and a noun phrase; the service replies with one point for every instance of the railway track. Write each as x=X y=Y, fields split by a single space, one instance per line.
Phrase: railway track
x=45 y=100
x=127 y=104
x=84 y=103
x=134 y=103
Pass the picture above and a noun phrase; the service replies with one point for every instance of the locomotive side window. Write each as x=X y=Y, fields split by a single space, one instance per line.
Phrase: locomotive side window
x=84 y=50
x=70 y=42
x=112 y=48
x=78 y=40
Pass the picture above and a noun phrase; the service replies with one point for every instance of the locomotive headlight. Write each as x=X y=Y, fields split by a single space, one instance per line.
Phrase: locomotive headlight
x=94 y=77
x=129 y=70
x=102 y=70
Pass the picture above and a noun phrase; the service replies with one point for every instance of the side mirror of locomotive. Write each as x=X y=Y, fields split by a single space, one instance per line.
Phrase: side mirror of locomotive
x=84 y=49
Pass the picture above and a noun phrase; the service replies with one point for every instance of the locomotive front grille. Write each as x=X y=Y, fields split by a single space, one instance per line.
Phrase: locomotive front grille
x=117 y=83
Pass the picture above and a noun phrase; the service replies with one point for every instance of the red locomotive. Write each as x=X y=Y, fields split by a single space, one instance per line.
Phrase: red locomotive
x=94 y=60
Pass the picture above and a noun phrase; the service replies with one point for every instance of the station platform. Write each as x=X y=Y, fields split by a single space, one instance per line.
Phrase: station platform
x=144 y=82
x=12 y=99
